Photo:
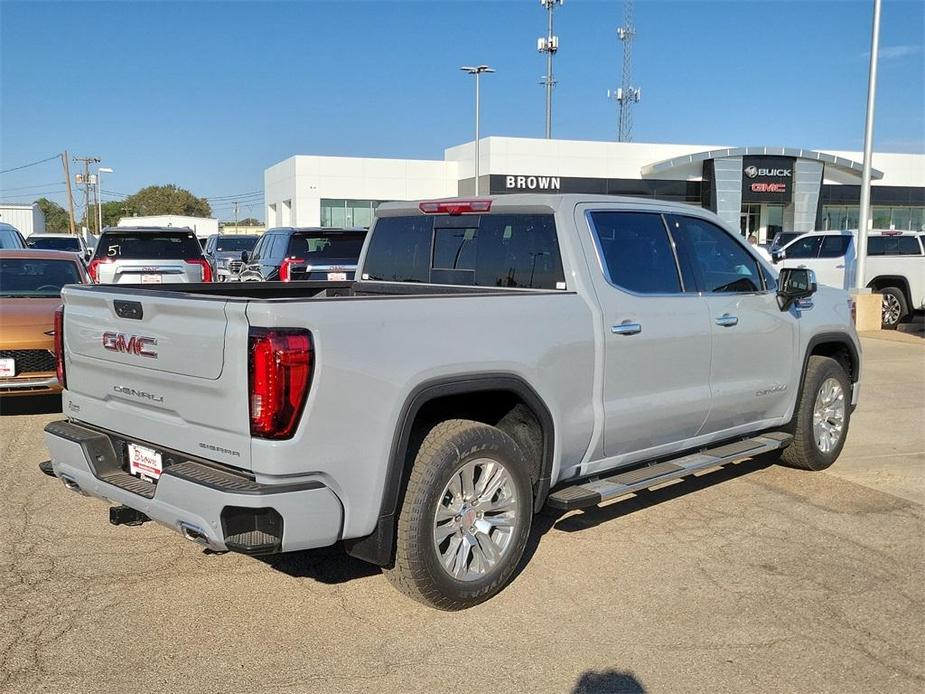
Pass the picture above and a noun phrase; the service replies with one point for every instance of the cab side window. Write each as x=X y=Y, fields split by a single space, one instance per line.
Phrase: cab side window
x=258 y=249
x=636 y=252
x=711 y=260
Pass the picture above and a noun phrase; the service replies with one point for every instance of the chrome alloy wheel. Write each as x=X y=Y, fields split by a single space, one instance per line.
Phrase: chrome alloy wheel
x=829 y=415
x=891 y=309
x=476 y=519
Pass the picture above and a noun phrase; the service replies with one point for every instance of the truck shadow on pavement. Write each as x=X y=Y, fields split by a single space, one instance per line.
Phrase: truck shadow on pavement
x=32 y=404
x=332 y=565
x=608 y=682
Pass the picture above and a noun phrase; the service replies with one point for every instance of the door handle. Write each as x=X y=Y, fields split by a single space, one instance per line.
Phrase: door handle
x=726 y=320
x=626 y=328
x=840 y=267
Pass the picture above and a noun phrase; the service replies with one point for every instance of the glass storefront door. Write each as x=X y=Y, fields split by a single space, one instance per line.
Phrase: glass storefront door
x=748 y=219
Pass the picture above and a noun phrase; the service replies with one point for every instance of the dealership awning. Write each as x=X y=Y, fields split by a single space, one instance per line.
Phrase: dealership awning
x=840 y=163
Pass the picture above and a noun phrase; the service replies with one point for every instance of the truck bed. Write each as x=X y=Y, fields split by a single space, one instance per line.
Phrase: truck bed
x=306 y=291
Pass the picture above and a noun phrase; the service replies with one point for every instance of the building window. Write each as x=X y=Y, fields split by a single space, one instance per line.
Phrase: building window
x=347 y=213
x=840 y=217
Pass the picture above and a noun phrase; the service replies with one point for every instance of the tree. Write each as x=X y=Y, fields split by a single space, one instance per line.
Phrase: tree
x=169 y=199
x=56 y=217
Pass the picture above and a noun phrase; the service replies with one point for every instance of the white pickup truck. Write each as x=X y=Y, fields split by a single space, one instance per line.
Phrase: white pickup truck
x=895 y=266
x=496 y=356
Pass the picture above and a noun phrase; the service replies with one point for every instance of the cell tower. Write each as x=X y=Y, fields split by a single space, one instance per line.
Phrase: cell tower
x=549 y=45
x=626 y=95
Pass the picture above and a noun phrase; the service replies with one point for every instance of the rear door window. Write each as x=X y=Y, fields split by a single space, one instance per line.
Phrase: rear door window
x=834 y=246
x=491 y=250
x=149 y=245
x=636 y=252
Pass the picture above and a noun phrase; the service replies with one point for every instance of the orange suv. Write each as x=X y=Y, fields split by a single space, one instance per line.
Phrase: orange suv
x=30 y=292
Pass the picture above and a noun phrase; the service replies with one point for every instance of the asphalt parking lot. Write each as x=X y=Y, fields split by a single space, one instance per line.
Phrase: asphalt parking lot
x=750 y=578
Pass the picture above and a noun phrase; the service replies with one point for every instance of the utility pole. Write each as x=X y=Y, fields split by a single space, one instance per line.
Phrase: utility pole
x=864 y=211
x=70 y=194
x=548 y=45
x=236 y=216
x=86 y=183
x=626 y=95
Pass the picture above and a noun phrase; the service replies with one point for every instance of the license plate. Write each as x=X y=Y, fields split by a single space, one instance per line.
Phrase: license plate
x=337 y=276
x=144 y=462
x=151 y=279
x=7 y=367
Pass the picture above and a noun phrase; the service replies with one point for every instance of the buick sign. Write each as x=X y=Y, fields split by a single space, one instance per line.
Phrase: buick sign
x=755 y=172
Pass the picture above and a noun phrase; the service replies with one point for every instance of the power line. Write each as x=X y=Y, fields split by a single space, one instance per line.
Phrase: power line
x=26 y=166
x=236 y=195
x=37 y=185
x=37 y=195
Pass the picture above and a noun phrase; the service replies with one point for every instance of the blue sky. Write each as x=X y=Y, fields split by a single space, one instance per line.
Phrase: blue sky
x=208 y=94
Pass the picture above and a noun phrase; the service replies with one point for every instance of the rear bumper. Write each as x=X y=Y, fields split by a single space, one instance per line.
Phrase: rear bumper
x=200 y=502
x=38 y=384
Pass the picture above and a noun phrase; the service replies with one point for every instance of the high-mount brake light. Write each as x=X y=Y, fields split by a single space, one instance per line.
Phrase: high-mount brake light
x=454 y=207
x=280 y=362
x=285 y=269
x=59 y=346
x=206 y=275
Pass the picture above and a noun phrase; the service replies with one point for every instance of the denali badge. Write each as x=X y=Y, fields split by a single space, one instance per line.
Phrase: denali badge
x=125 y=390
x=130 y=344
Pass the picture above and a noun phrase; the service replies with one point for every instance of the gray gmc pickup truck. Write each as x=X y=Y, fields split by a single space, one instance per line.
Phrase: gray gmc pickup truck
x=494 y=356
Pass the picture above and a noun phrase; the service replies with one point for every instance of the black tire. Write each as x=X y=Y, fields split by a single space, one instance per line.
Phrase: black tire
x=444 y=451
x=804 y=452
x=893 y=298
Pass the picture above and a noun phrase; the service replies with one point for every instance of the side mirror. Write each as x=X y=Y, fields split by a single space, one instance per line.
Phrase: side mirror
x=794 y=284
x=245 y=256
x=778 y=256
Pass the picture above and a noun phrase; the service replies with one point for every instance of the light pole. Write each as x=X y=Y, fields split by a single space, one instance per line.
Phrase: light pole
x=99 y=197
x=864 y=211
x=477 y=71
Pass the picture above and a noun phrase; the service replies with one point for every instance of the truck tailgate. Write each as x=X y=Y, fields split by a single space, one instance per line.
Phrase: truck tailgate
x=142 y=363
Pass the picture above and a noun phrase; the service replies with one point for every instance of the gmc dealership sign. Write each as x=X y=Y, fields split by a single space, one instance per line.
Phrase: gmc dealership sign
x=767 y=179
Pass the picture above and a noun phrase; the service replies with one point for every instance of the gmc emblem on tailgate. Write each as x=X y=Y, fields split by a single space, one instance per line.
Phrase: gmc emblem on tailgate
x=130 y=344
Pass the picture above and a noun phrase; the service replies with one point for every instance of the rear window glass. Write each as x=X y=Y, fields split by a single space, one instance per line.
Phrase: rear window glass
x=893 y=245
x=53 y=243
x=149 y=245
x=227 y=244
x=321 y=246
x=36 y=277
x=494 y=250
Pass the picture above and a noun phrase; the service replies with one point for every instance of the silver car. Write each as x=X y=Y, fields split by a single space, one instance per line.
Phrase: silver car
x=149 y=255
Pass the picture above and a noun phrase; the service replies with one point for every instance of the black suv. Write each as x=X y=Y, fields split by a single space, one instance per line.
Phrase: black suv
x=286 y=254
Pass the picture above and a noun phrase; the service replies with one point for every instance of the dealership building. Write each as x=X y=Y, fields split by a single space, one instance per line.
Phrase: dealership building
x=758 y=190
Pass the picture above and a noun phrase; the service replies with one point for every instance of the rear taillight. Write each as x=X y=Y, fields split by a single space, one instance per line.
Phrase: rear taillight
x=205 y=268
x=279 y=375
x=285 y=268
x=93 y=269
x=59 y=346
x=454 y=207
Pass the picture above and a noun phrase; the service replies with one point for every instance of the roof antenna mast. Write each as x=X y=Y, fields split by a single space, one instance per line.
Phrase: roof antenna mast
x=626 y=95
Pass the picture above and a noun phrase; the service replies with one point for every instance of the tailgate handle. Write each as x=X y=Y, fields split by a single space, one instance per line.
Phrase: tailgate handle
x=128 y=309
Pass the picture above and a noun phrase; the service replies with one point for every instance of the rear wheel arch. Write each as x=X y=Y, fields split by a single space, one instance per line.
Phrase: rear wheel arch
x=503 y=400
x=898 y=281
